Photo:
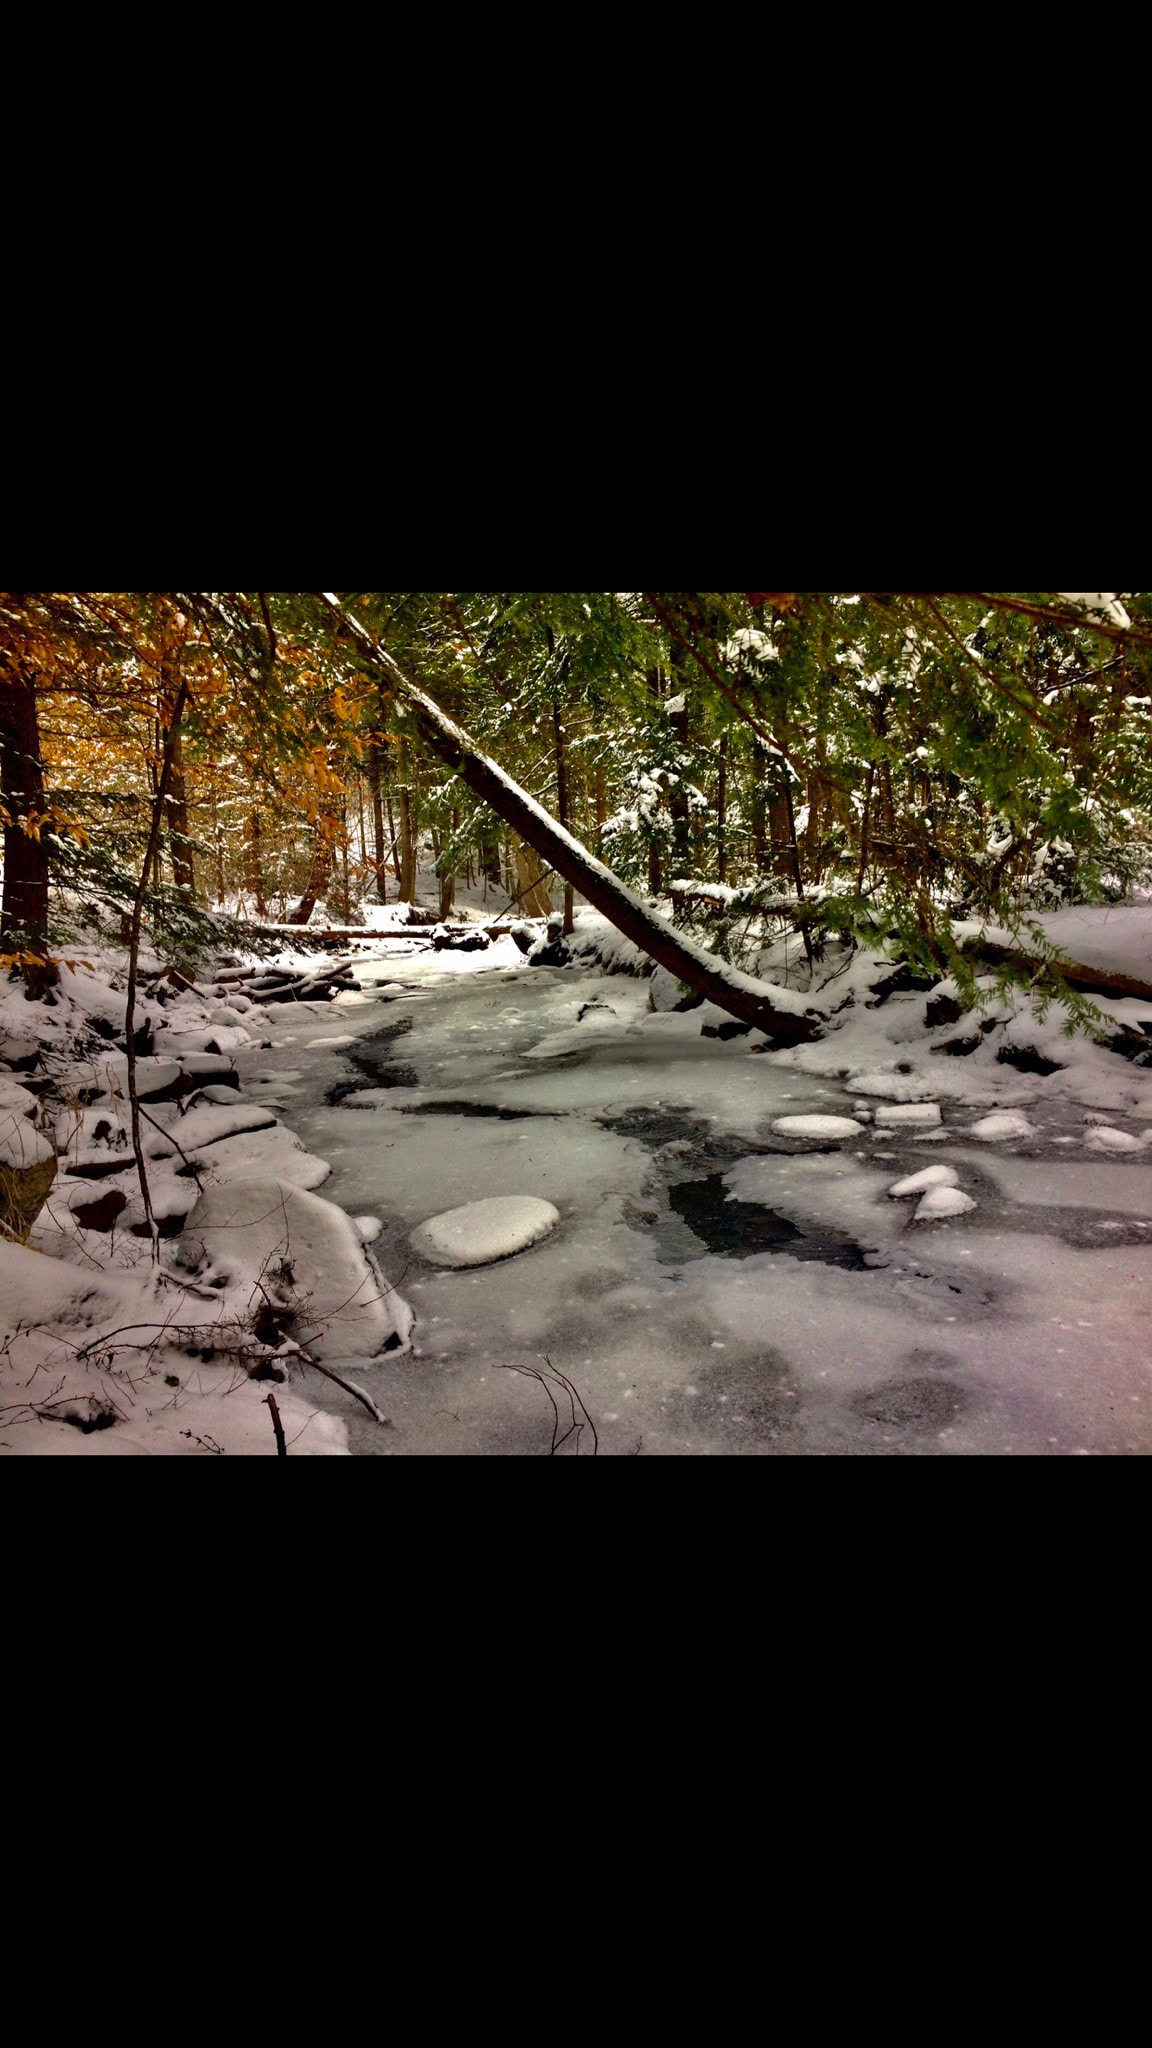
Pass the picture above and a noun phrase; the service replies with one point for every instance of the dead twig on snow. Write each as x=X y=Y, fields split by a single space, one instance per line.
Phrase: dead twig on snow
x=548 y=1380
x=277 y=1425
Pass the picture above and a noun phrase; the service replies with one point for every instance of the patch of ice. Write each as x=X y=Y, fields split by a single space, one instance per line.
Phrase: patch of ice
x=478 y=1233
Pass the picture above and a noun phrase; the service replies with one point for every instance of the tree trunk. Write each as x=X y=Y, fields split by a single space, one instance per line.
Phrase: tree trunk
x=253 y=872
x=532 y=897
x=407 y=831
x=25 y=912
x=218 y=843
x=678 y=797
x=447 y=874
x=318 y=873
x=780 y=827
x=759 y=808
x=176 y=809
x=601 y=802
x=345 y=883
x=490 y=861
x=392 y=840
x=773 y=1010
x=562 y=794
x=174 y=712
x=377 y=818
x=722 y=811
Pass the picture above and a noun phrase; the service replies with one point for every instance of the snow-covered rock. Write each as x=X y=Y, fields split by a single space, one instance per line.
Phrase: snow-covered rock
x=893 y=1087
x=478 y=1233
x=1106 y=1139
x=942 y=1202
x=1002 y=1124
x=817 y=1126
x=205 y=1125
x=220 y=1038
x=257 y=1238
x=928 y=1177
x=21 y=1144
x=269 y=1154
x=895 y=1115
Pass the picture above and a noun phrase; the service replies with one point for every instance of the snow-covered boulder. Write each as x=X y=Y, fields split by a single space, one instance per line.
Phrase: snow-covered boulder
x=816 y=1126
x=893 y=1087
x=1106 y=1139
x=206 y=1125
x=478 y=1233
x=940 y=1202
x=257 y=1240
x=269 y=1154
x=1001 y=1125
x=928 y=1177
x=27 y=1161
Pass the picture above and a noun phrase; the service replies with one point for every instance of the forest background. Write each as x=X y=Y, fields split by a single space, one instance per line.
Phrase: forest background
x=873 y=765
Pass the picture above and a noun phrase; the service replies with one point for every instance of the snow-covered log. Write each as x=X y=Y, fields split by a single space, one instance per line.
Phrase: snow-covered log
x=778 y=1011
x=1093 y=981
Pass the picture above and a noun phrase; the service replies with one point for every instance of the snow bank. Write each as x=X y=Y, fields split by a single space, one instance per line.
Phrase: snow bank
x=265 y=1239
x=84 y=1369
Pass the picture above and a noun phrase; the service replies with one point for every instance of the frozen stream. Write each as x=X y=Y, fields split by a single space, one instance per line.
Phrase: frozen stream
x=808 y=1316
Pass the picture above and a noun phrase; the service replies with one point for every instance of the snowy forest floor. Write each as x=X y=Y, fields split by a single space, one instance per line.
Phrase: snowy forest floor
x=716 y=1285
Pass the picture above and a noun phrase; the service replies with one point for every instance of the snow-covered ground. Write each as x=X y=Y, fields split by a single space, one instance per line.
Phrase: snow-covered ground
x=888 y=1241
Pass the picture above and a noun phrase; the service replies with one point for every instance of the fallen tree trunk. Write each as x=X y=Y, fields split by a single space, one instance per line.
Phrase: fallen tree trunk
x=1090 y=981
x=778 y=1011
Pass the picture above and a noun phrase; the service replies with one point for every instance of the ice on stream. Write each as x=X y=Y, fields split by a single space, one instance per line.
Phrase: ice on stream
x=989 y=1332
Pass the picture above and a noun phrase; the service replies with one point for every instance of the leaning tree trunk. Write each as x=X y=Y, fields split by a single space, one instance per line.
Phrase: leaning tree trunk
x=25 y=911
x=778 y=1011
